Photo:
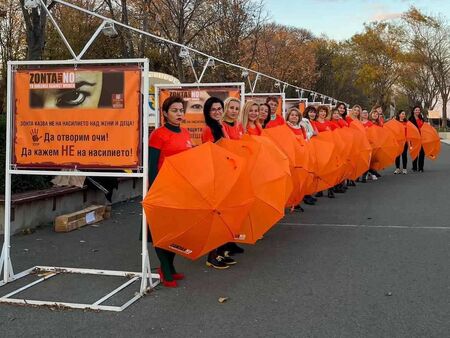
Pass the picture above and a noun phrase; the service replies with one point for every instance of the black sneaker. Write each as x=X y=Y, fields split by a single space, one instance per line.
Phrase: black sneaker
x=330 y=194
x=217 y=263
x=233 y=248
x=319 y=194
x=308 y=200
x=313 y=198
x=227 y=260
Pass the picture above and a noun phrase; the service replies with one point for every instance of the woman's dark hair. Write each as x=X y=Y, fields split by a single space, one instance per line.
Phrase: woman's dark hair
x=268 y=114
x=307 y=110
x=397 y=116
x=412 y=112
x=345 y=107
x=170 y=101
x=214 y=125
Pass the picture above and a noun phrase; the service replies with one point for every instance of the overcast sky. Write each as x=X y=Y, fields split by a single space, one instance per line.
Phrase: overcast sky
x=340 y=19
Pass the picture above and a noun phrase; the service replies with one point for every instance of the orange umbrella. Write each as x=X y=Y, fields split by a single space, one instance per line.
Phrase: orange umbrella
x=414 y=139
x=363 y=149
x=431 y=142
x=328 y=162
x=398 y=130
x=385 y=147
x=198 y=201
x=269 y=173
x=285 y=140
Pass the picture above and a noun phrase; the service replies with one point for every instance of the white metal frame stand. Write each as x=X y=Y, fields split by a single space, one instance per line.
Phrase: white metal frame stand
x=148 y=280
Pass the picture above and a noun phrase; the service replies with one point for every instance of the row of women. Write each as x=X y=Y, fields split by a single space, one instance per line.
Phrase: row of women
x=323 y=149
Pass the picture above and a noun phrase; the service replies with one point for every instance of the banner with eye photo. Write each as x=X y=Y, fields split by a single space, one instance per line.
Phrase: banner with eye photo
x=195 y=96
x=77 y=117
x=300 y=104
x=261 y=98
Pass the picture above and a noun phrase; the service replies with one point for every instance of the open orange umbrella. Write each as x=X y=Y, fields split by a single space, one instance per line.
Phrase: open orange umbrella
x=398 y=130
x=268 y=171
x=198 y=201
x=285 y=140
x=414 y=140
x=386 y=147
x=328 y=162
x=431 y=142
x=363 y=149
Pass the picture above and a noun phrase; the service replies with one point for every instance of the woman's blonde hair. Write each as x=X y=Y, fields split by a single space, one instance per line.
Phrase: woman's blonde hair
x=227 y=105
x=292 y=109
x=248 y=105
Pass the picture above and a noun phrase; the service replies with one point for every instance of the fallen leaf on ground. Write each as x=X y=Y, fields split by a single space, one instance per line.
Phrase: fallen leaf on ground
x=222 y=299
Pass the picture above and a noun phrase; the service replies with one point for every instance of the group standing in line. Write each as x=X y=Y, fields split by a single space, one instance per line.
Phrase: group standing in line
x=225 y=120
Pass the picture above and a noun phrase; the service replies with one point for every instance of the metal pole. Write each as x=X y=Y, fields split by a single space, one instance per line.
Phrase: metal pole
x=7 y=267
x=146 y=269
x=91 y=40
x=61 y=34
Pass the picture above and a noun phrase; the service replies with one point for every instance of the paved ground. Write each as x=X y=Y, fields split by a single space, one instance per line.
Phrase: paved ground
x=371 y=263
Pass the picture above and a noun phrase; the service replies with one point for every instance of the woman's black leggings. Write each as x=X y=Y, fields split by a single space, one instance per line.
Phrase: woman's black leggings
x=404 y=157
x=419 y=159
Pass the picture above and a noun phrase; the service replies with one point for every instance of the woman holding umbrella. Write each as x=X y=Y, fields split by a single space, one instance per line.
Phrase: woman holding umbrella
x=275 y=120
x=401 y=117
x=213 y=132
x=165 y=141
x=417 y=119
x=293 y=118
x=250 y=118
x=232 y=109
x=309 y=115
x=264 y=114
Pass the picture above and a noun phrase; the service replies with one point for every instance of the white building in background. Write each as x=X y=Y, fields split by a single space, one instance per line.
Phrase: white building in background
x=436 y=112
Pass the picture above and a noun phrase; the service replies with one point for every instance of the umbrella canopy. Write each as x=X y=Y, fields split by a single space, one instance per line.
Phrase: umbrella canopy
x=285 y=140
x=198 y=201
x=385 y=147
x=328 y=162
x=414 y=139
x=364 y=149
x=398 y=131
x=431 y=142
x=268 y=171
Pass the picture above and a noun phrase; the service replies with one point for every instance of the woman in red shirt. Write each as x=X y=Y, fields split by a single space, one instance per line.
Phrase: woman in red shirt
x=275 y=120
x=322 y=125
x=250 y=118
x=213 y=131
x=322 y=122
x=264 y=116
x=165 y=141
x=364 y=118
x=401 y=117
x=417 y=119
x=231 y=125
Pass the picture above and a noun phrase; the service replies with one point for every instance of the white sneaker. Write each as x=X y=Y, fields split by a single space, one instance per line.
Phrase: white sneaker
x=374 y=178
x=405 y=171
x=397 y=171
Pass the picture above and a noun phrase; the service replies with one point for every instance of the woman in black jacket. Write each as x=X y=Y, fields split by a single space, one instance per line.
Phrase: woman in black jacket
x=417 y=119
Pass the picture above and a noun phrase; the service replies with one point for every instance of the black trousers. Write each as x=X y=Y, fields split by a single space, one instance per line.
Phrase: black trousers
x=404 y=157
x=419 y=160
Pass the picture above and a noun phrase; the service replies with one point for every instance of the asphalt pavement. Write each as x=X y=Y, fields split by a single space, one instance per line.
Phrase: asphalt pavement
x=373 y=262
